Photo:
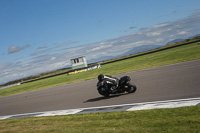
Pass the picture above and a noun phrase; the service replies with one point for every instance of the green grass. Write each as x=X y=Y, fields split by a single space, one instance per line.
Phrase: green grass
x=165 y=57
x=178 y=120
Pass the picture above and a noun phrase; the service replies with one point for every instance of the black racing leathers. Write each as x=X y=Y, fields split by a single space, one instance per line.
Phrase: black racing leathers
x=113 y=81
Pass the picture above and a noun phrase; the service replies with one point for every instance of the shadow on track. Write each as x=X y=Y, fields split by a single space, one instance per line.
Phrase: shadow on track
x=104 y=98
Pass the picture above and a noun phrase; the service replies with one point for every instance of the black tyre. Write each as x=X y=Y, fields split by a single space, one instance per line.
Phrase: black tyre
x=104 y=93
x=131 y=88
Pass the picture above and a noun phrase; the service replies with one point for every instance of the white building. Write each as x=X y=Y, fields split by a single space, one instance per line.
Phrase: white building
x=79 y=62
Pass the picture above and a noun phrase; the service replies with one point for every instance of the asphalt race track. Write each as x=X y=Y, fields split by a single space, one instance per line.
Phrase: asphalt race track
x=177 y=81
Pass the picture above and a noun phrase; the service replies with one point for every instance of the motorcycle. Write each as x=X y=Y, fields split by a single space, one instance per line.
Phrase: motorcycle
x=125 y=85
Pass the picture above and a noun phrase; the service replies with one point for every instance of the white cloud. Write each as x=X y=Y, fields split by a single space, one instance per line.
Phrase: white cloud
x=160 y=25
x=38 y=52
x=13 y=49
x=169 y=29
x=53 y=58
x=182 y=32
x=159 y=40
x=65 y=44
x=43 y=47
x=99 y=47
x=153 y=34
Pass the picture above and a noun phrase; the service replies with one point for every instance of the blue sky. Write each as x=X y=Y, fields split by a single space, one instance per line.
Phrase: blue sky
x=42 y=35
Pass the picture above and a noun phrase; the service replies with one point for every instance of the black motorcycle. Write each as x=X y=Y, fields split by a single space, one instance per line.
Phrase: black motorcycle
x=105 y=88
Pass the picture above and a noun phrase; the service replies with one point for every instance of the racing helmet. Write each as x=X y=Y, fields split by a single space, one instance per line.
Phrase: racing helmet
x=100 y=77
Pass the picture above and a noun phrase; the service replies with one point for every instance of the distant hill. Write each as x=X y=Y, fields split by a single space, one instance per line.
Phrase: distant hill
x=140 y=49
x=132 y=51
x=197 y=35
x=174 y=41
x=103 y=58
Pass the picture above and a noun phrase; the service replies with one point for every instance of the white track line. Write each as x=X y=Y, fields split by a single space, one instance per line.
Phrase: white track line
x=167 y=104
x=124 y=107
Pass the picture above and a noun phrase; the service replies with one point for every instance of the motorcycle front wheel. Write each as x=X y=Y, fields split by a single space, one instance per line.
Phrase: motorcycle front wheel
x=131 y=88
x=104 y=93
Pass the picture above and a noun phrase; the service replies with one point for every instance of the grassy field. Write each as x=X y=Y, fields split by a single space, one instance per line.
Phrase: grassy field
x=165 y=57
x=178 y=120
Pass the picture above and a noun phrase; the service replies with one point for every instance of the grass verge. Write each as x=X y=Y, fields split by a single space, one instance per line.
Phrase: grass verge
x=185 y=119
x=165 y=57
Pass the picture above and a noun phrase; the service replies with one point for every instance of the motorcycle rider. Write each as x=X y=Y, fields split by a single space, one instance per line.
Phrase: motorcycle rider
x=110 y=80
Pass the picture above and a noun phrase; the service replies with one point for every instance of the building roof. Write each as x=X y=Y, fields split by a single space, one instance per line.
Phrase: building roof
x=78 y=57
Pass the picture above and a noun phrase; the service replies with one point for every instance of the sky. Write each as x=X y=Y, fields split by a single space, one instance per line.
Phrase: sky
x=42 y=35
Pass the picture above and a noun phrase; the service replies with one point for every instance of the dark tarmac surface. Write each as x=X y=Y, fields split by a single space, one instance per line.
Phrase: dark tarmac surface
x=177 y=81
